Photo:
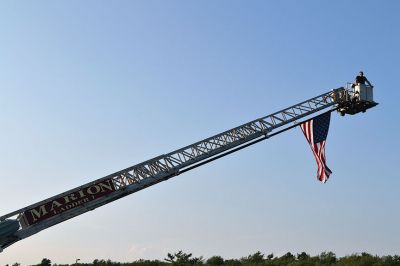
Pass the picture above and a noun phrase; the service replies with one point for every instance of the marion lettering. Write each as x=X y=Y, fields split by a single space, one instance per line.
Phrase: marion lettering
x=68 y=202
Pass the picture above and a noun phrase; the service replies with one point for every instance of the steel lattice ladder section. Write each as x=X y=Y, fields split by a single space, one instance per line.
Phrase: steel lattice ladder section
x=163 y=167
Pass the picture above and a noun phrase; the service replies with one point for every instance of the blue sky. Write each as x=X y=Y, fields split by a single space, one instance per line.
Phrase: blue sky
x=89 y=88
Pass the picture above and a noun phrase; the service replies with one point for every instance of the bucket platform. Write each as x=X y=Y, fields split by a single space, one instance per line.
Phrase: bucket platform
x=356 y=99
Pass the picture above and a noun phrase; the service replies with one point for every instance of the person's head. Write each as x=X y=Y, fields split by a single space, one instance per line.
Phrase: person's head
x=361 y=73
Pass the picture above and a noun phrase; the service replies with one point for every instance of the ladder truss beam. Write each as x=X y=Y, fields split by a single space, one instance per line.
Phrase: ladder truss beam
x=163 y=167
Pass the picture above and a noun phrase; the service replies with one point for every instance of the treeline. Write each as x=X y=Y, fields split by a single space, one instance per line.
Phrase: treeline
x=258 y=258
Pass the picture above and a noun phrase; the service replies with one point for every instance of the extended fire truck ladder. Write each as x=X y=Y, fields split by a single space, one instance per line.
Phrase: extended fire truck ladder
x=30 y=220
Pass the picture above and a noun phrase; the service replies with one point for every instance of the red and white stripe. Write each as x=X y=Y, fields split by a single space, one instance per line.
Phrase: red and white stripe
x=318 y=150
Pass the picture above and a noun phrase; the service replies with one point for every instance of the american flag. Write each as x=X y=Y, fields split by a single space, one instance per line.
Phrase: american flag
x=316 y=131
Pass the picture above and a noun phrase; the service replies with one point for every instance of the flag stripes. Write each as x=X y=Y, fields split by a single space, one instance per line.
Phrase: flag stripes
x=316 y=132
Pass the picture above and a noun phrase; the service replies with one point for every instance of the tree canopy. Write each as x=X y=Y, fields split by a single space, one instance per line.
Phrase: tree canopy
x=302 y=259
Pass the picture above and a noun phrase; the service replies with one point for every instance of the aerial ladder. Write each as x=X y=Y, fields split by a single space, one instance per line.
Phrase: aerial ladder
x=34 y=218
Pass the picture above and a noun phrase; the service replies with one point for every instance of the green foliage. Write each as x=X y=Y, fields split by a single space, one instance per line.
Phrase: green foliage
x=182 y=258
x=146 y=263
x=364 y=260
x=45 y=262
x=303 y=256
x=232 y=262
x=257 y=259
x=327 y=259
x=215 y=260
x=97 y=262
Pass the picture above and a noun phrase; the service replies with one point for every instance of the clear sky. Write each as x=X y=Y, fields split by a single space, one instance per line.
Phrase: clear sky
x=92 y=87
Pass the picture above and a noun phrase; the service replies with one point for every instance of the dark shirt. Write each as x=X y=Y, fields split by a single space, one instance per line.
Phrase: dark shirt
x=361 y=79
